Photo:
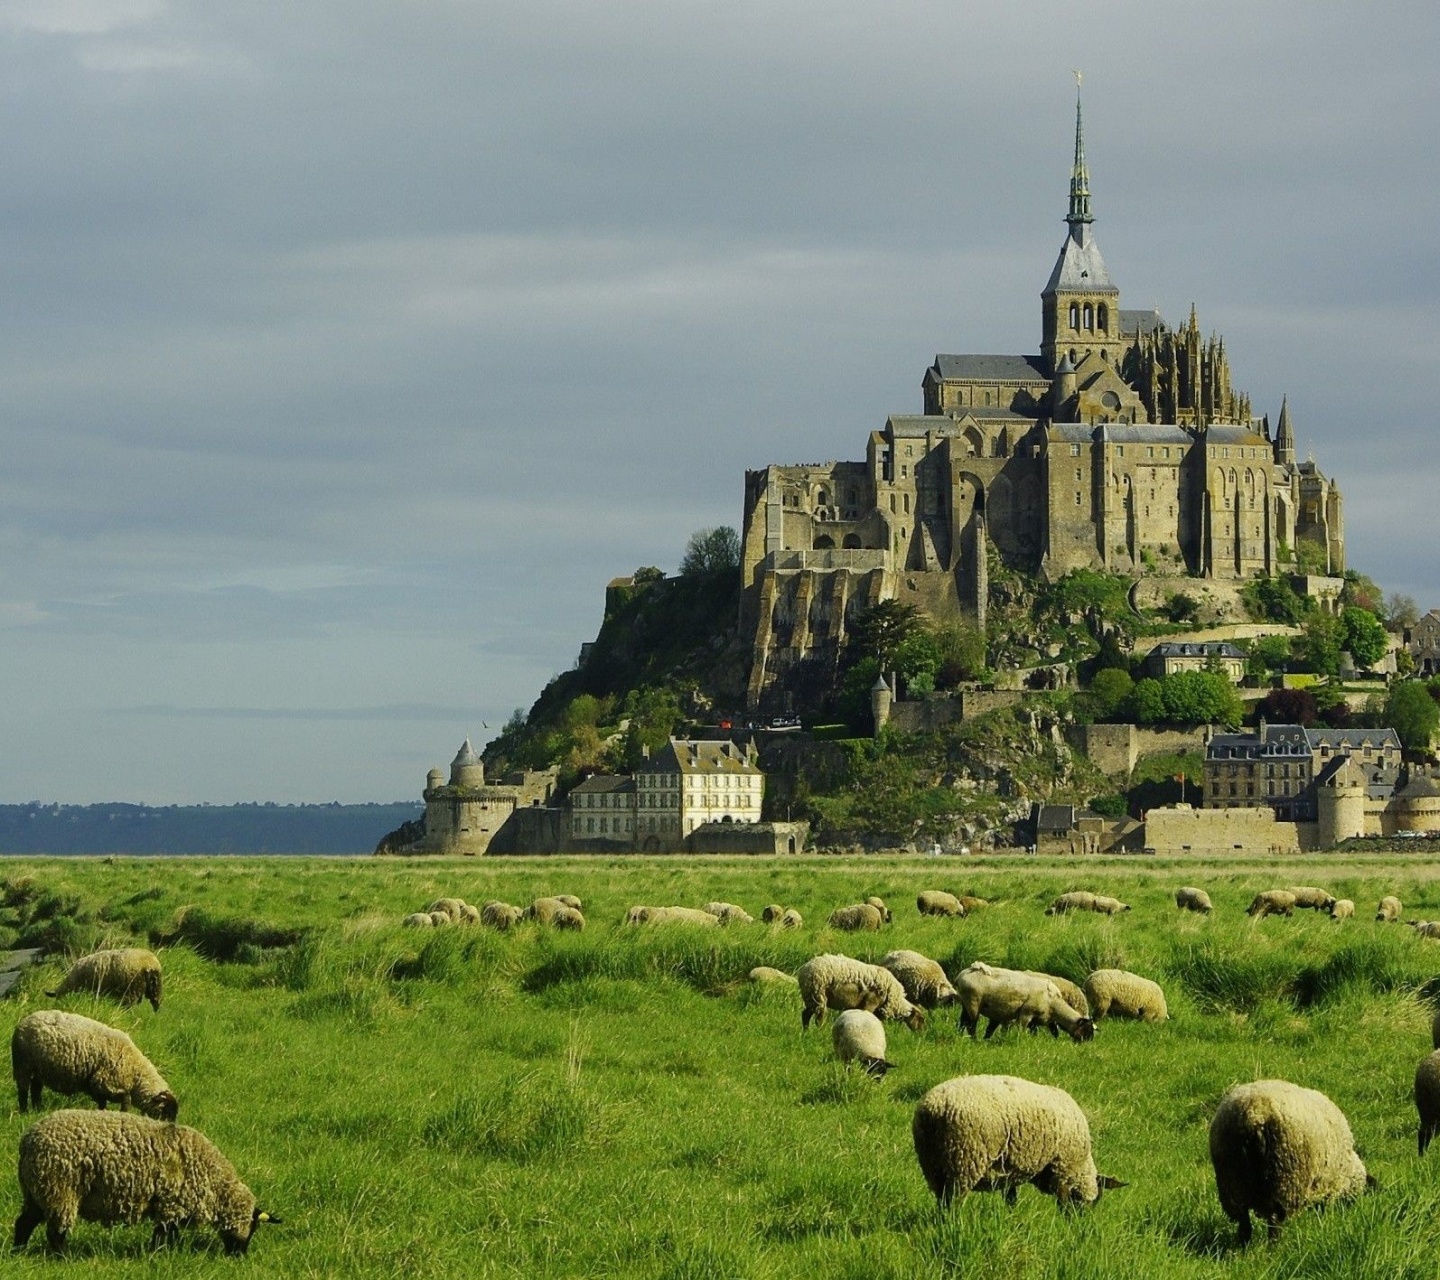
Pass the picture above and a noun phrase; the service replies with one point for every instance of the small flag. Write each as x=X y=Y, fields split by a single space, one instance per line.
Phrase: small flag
x=1180 y=777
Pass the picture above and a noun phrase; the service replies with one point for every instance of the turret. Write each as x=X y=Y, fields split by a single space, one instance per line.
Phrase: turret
x=1285 y=436
x=880 y=697
x=434 y=780
x=1062 y=391
x=467 y=770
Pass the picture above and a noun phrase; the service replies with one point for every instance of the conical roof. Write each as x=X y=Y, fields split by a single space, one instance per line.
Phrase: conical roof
x=465 y=756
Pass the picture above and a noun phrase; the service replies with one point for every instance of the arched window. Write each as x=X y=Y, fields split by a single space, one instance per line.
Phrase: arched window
x=1102 y=318
x=1089 y=316
x=1074 y=315
x=852 y=542
x=823 y=543
x=823 y=498
x=907 y=504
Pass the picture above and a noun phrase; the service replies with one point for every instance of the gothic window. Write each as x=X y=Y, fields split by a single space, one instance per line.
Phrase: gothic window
x=1074 y=320
x=823 y=498
x=1089 y=316
x=1102 y=318
x=987 y=397
x=892 y=504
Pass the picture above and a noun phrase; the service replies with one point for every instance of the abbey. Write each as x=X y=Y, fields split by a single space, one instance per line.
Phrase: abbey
x=1121 y=446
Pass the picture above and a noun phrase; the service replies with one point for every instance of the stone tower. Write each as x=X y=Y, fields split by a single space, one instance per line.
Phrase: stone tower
x=1340 y=803
x=880 y=697
x=467 y=769
x=1285 y=436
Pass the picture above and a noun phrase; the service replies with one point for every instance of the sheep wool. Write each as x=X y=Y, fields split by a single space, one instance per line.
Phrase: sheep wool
x=970 y=902
x=859 y=1036
x=543 y=910
x=1313 y=899
x=567 y=918
x=1389 y=910
x=763 y=974
x=1077 y=901
x=452 y=907
x=1113 y=993
x=1109 y=906
x=128 y=974
x=1342 y=910
x=1428 y=928
x=936 y=902
x=469 y=914
x=441 y=919
x=1427 y=1097
x=728 y=913
x=1009 y=996
x=856 y=918
x=73 y=1054
x=838 y=982
x=879 y=905
x=570 y=900
x=500 y=915
x=994 y=1133
x=418 y=920
x=1191 y=899
x=1278 y=1148
x=924 y=980
x=114 y=1166
x=671 y=915
x=1070 y=992
x=772 y=913
x=792 y=919
x=1273 y=902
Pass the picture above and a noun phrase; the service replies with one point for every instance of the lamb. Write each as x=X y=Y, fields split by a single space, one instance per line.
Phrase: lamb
x=1427 y=1097
x=1278 y=1148
x=860 y=916
x=860 y=1036
x=764 y=974
x=924 y=980
x=1342 y=910
x=418 y=920
x=993 y=1133
x=74 y=1054
x=1006 y=996
x=792 y=919
x=1109 y=906
x=1113 y=993
x=1070 y=992
x=1077 y=901
x=129 y=975
x=1389 y=910
x=469 y=914
x=452 y=907
x=936 y=902
x=1312 y=898
x=1273 y=902
x=114 y=1166
x=728 y=913
x=500 y=915
x=838 y=982
x=773 y=913
x=879 y=905
x=1189 y=899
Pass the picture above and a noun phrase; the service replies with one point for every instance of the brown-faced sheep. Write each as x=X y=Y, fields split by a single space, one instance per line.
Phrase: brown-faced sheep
x=924 y=980
x=1389 y=910
x=1007 y=996
x=1272 y=902
x=857 y=918
x=1191 y=899
x=772 y=913
x=1278 y=1148
x=936 y=902
x=838 y=982
x=1113 y=993
x=115 y=1166
x=127 y=974
x=1427 y=1097
x=993 y=1133
x=859 y=1036
x=71 y=1054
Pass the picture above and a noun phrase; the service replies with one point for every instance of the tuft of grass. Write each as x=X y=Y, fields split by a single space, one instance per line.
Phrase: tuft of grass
x=224 y=938
x=522 y=1120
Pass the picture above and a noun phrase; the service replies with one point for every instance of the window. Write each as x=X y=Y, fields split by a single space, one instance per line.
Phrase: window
x=1074 y=450
x=1150 y=453
x=1077 y=497
x=1089 y=316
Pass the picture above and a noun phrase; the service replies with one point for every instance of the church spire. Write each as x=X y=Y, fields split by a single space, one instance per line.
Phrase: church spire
x=1284 y=436
x=1079 y=214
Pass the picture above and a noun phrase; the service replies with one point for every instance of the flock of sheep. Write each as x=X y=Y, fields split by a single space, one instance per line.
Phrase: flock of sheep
x=562 y=911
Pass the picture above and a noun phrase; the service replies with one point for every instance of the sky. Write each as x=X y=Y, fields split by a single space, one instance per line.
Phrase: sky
x=347 y=349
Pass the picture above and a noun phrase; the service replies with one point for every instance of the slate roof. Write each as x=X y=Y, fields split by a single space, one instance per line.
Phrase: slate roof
x=1079 y=266
x=684 y=755
x=1145 y=321
x=604 y=783
x=990 y=368
x=1121 y=433
x=1054 y=818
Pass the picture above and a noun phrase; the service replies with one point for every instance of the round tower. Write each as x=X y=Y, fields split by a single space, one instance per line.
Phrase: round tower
x=467 y=770
x=1341 y=807
x=880 y=698
x=1063 y=388
x=434 y=779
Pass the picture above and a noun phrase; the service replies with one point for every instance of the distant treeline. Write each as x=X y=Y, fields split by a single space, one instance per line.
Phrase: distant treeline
x=198 y=829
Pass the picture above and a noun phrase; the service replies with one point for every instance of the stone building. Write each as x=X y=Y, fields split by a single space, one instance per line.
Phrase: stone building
x=1424 y=644
x=1173 y=656
x=467 y=814
x=1121 y=446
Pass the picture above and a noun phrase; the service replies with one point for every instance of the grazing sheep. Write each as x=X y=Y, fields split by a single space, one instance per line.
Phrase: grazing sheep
x=860 y=1036
x=860 y=916
x=1113 y=993
x=671 y=915
x=1389 y=910
x=1188 y=899
x=469 y=914
x=418 y=920
x=993 y=1133
x=113 y=1166
x=569 y=900
x=970 y=902
x=543 y=910
x=129 y=975
x=936 y=902
x=441 y=919
x=1006 y=996
x=924 y=980
x=773 y=913
x=567 y=918
x=1342 y=910
x=1077 y=901
x=1427 y=1097
x=73 y=1054
x=1070 y=992
x=763 y=973
x=838 y=982
x=1313 y=899
x=1277 y=1149
x=1426 y=928
x=1109 y=906
x=1273 y=902
x=792 y=919
x=728 y=913
x=500 y=915
x=879 y=905
x=452 y=907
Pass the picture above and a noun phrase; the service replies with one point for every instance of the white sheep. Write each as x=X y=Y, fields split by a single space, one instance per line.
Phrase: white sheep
x=567 y=918
x=1079 y=900
x=1427 y=1097
x=452 y=907
x=115 y=1166
x=924 y=980
x=792 y=919
x=1008 y=996
x=1191 y=899
x=1426 y=928
x=677 y=915
x=569 y=900
x=1311 y=898
x=1071 y=992
x=772 y=913
x=856 y=918
x=543 y=910
x=838 y=982
x=1343 y=909
x=1109 y=906
x=859 y=1036
x=993 y=1133
x=418 y=920
x=441 y=919
x=500 y=915
x=1389 y=910
x=728 y=913
x=763 y=974
x=879 y=905
x=469 y=914
x=936 y=902
x=1272 y=902
x=970 y=902
x=70 y=1053
x=1113 y=993
x=1278 y=1148
x=126 y=974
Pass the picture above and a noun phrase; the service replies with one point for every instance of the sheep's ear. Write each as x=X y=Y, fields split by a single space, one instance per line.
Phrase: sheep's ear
x=1110 y=1184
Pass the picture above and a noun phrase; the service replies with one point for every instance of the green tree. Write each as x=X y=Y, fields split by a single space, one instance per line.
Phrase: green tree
x=1111 y=655
x=1401 y=612
x=1365 y=638
x=1321 y=644
x=880 y=631
x=711 y=551
x=1146 y=704
x=1361 y=592
x=917 y=659
x=1200 y=697
x=1273 y=600
x=1413 y=714
x=854 y=703
x=962 y=655
x=1109 y=692
x=1267 y=654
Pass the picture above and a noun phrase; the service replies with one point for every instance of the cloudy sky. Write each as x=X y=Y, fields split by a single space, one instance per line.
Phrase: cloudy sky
x=348 y=348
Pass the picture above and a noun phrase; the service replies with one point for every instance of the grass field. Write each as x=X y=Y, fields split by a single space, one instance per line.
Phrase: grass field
x=621 y=1103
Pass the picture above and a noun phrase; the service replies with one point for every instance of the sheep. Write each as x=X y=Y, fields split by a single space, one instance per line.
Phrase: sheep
x=130 y=974
x=1113 y=993
x=1278 y=1148
x=1077 y=901
x=993 y=1133
x=670 y=915
x=1313 y=899
x=1109 y=906
x=773 y=913
x=1272 y=902
x=936 y=902
x=1427 y=1097
x=452 y=907
x=1189 y=899
x=1426 y=928
x=543 y=910
x=860 y=1036
x=441 y=919
x=970 y=902
x=728 y=913
x=469 y=914
x=418 y=920
x=74 y=1054
x=500 y=915
x=924 y=980
x=1005 y=996
x=1389 y=910
x=1342 y=910
x=763 y=974
x=567 y=918
x=857 y=917
x=1070 y=992
x=569 y=900
x=838 y=982
x=114 y=1166
x=879 y=905
x=792 y=919
x=1435 y=1031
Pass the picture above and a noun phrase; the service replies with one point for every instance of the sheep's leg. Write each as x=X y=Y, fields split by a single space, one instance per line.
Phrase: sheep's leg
x=1427 y=1132
x=1010 y=1193
x=30 y=1218
x=165 y=1235
x=991 y=1027
x=1244 y=1230
x=22 y=1087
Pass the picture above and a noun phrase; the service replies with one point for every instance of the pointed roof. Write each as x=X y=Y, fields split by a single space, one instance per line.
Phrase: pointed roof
x=466 y=755
x=1284 y=434
x=1079 y=175
x=1079 y=268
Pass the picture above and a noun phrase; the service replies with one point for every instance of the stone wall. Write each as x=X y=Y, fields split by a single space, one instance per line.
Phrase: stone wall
x=749 y=838
x=1117 y=748
x=1223 y=832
